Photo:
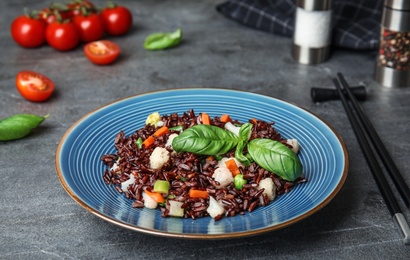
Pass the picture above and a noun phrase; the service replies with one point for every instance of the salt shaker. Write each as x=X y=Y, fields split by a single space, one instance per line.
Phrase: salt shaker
x=393 y=61
x=312 y=34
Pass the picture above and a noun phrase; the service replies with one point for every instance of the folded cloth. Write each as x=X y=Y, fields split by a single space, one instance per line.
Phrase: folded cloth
x=356 y=23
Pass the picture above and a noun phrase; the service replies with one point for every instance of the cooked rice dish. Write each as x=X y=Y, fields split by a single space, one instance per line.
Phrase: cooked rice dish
x=192 y=165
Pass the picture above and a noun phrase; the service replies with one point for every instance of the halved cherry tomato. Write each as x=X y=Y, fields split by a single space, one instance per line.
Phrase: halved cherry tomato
x=34 y=86
x=101 y=52
x=117 y=19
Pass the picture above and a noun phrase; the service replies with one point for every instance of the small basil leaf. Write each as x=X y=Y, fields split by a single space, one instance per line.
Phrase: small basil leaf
x=161 y=41
x=244 y=133
x=18 y=126
x=205 y=140
x=276 y=158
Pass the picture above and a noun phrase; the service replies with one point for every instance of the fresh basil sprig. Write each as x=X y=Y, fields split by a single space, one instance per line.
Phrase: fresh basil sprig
x=275 y=157
x=18 y=126
x=161 y=41
x=269 y=154
x=205 y=140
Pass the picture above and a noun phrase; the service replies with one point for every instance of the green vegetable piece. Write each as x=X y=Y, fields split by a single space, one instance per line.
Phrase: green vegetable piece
x=139 y=143
x=205 y=140
x=276 y=158
x=161 y=186
x=239 y=181
x=176 y=128
x=244 y=132
x=18 y=126
x=161 y=41
x=218 y=157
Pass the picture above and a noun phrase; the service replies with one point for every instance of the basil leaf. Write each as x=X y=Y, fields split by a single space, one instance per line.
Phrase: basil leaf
x=161 y=41
x=244 y=132
x=205 y=140
x=276 y=158
x=18 y=126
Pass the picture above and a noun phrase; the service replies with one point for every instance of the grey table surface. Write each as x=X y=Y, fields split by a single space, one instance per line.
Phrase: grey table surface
x=39 y=220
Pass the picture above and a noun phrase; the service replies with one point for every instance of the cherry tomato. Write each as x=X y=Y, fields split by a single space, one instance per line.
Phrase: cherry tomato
x=62 y=36
x=28 y=32
x=101 y=52
x=77 y=6
x=48 y=14
x=117 y=19
x=90 y=27
x=34 y=86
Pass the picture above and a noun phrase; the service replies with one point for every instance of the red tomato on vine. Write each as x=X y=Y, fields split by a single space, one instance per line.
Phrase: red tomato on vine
x=117 y=19
x=62 y=36
x=90 y=27
x=50 y=13
x=77 y=7
x=28 y=31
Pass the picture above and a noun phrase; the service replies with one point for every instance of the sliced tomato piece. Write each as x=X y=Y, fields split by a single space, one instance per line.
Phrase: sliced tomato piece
x=102 y=52
x=34 y=86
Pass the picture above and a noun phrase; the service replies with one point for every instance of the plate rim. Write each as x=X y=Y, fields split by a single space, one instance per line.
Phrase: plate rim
x=200 y=236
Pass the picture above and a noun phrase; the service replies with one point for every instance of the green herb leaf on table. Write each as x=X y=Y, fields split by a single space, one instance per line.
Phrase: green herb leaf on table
x=205 y=140
x=275 y=157
x=18 y=126
x=161 y=41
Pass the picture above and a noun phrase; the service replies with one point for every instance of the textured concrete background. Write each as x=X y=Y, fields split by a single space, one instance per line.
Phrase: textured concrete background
x=39 y=220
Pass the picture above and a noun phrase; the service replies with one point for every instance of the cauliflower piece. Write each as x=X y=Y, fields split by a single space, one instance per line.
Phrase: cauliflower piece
x=148 y=201
x=127 y=183
x=215 y=209
x=232 y=128
x=223 y=175
x=114 y=167
x=153 y=119
x=295 y=145
x=269 y=186
x=170 y=139
x=158 y=157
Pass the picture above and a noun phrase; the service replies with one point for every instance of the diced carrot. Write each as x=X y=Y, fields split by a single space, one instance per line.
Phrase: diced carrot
x=254 y=121
x=161 y=131
x=210 y=158
x=198 y=194
x=148 y=142
x=156 y=196
x=225 y=118
x=205 y=119
x=232 y=166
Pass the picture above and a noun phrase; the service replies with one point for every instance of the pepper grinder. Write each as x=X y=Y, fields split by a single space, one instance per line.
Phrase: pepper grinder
x=312 y=34
x=393 y=62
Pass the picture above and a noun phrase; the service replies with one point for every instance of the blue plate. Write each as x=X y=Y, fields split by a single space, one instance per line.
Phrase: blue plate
x=323 y=155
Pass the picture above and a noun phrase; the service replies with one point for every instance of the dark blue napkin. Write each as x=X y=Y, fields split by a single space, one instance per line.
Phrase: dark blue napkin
x=356 y=23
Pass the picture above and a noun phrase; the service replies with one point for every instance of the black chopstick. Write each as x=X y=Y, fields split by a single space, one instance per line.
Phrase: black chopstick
x=381 y=181
x=378 y=145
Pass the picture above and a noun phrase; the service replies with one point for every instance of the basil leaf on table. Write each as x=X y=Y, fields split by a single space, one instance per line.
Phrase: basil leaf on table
x=275 y=157
x=161 y=41
x=244 y=133
x=18 y=126
x=205 y=140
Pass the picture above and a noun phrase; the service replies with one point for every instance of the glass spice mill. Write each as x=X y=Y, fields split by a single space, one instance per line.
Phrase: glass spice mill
x=393 y=62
